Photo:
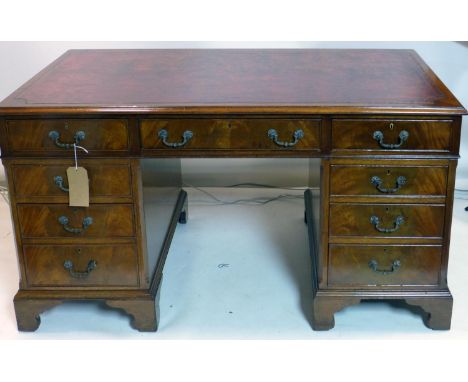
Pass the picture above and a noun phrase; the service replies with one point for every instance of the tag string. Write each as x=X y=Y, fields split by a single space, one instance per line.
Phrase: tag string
x=76 y=158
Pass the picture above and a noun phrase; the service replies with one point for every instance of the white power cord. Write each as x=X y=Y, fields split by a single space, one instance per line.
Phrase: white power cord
x=261 y=200
x=4 y=193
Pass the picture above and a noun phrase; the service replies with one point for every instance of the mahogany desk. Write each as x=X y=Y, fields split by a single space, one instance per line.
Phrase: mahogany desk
x=385 y=127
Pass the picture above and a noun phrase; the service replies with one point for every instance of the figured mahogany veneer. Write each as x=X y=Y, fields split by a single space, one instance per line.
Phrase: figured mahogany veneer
x=108 y=221
x=232 y=134
x=385 y=180
x=31 y=136
x=426 y=221
x=417 y=266
x=386 y=129
x=116 y=265
x=109 y=180
x=423 y=135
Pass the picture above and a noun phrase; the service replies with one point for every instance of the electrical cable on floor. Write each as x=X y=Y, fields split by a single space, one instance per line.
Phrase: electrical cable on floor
x=250 y=201
x=458 y=194
x=4 y=193
x=259 y=185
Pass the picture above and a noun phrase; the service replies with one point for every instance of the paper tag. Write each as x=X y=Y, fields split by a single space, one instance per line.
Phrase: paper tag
x=78 y=187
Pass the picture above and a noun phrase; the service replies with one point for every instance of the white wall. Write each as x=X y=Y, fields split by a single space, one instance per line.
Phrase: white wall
x=19 y=61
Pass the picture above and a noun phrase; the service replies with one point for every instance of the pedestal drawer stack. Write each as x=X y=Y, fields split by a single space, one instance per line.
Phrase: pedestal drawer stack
x=386 y=216
x=65 y=248
x=84 y=239
x=386 y=223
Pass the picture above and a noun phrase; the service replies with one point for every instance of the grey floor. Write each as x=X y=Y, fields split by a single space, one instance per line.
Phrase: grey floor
x=238 y=272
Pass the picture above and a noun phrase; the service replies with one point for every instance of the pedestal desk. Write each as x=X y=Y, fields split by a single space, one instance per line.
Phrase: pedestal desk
x=385 y=128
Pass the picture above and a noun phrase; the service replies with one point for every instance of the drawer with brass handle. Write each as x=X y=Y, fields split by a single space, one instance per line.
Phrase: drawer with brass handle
x=384 y=265
x=47 y=180
x=388 y=180
x=230 y=134
x=62 y=221
x=386 y=220
x=392 y=135
x=57 y=136
x=81 y=265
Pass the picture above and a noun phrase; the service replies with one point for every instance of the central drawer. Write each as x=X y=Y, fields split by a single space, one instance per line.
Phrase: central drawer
x=58 y=220
x=81 y=265
x=231 y=134
x=387 y=220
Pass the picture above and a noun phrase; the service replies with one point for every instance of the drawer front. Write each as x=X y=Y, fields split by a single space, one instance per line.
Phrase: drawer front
x=236 y=134
x=83 y=265
x=384 y=180
x=387 y=220
x=391 y=135
x=368 y=266
x=50 y=180
x=50 y=135
x=58 y=221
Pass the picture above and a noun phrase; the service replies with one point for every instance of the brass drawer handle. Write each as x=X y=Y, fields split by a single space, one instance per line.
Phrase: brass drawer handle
x=55 y=136
x=374 y=266
x=379 y=137
x=58 y=180
x=87 y=221
x=396 y=225
x=68 y=265
x=273 y=135
x=377 y=182
x=163 y=134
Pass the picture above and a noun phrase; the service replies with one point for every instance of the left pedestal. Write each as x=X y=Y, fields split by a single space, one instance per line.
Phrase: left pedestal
x=94 y=253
